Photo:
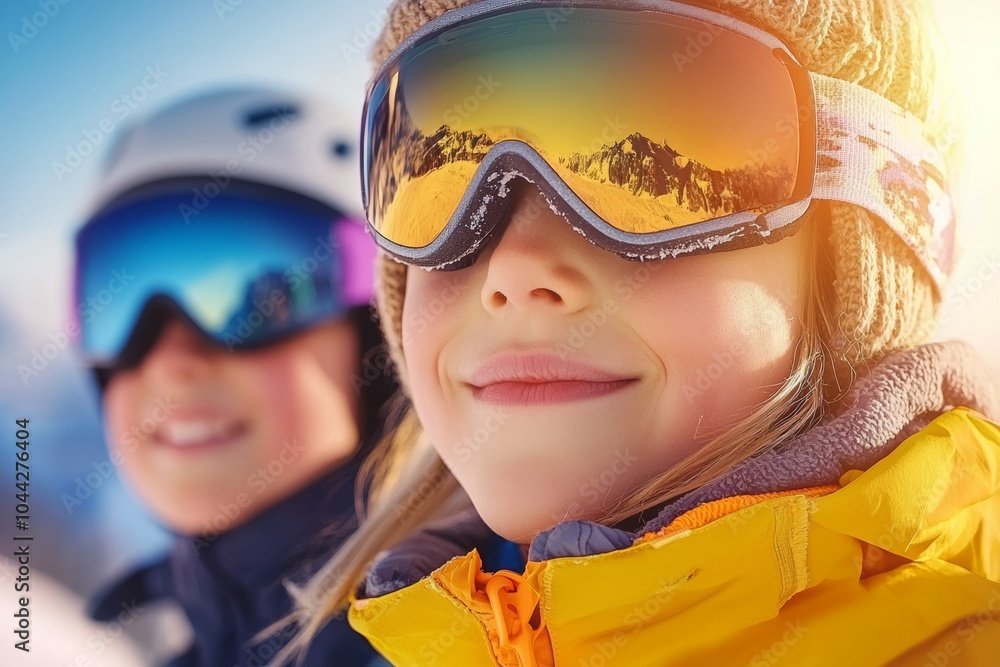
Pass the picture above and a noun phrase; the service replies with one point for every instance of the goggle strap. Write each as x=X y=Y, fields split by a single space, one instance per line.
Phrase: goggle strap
x=874 y=154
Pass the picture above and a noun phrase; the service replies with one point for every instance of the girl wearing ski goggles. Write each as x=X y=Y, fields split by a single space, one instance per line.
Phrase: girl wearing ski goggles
x=223 y=305
x=678 y=274
x=653 y=149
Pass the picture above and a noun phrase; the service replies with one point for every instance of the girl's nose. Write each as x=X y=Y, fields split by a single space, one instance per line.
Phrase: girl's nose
x=179 y=355
x=538 y=261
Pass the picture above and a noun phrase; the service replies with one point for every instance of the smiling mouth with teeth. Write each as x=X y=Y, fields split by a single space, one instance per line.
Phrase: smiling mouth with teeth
x=199 y=433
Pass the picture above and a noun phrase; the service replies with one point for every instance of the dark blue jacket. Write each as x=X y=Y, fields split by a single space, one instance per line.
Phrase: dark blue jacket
x=230 y=585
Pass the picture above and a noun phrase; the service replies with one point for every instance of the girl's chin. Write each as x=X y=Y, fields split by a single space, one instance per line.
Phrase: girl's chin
x=193 y=519
x=502 y=515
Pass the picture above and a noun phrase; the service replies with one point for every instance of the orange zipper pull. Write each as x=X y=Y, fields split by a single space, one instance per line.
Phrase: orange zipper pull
x=514 y=604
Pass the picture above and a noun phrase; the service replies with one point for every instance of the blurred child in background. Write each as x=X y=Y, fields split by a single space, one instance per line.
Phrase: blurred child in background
x=224 y=284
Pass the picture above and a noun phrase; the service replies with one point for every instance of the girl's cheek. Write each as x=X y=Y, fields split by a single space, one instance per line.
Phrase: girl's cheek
x=119 y=410
x=721 y=345
x=265 y=388
x=435 y=306
x=433 y=297
x=124 y=433
x=301 y=391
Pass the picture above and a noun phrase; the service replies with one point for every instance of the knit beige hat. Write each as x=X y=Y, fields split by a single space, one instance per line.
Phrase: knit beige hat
x=882 y=298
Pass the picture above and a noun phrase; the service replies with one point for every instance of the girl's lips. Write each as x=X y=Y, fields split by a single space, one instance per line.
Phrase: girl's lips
x=538 y=393
x=197 y=435
x=533 y=379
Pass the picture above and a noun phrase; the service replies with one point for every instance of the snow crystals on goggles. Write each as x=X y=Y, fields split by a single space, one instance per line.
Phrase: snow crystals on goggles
x=666 y=129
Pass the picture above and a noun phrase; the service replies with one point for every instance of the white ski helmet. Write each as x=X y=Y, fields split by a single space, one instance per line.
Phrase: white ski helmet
x=262 y=135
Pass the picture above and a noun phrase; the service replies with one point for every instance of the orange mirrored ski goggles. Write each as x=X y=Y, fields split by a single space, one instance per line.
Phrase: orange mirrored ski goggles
x=657 y=129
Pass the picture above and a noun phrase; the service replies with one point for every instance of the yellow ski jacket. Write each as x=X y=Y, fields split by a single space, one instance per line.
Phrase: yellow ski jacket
x=899 y=564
